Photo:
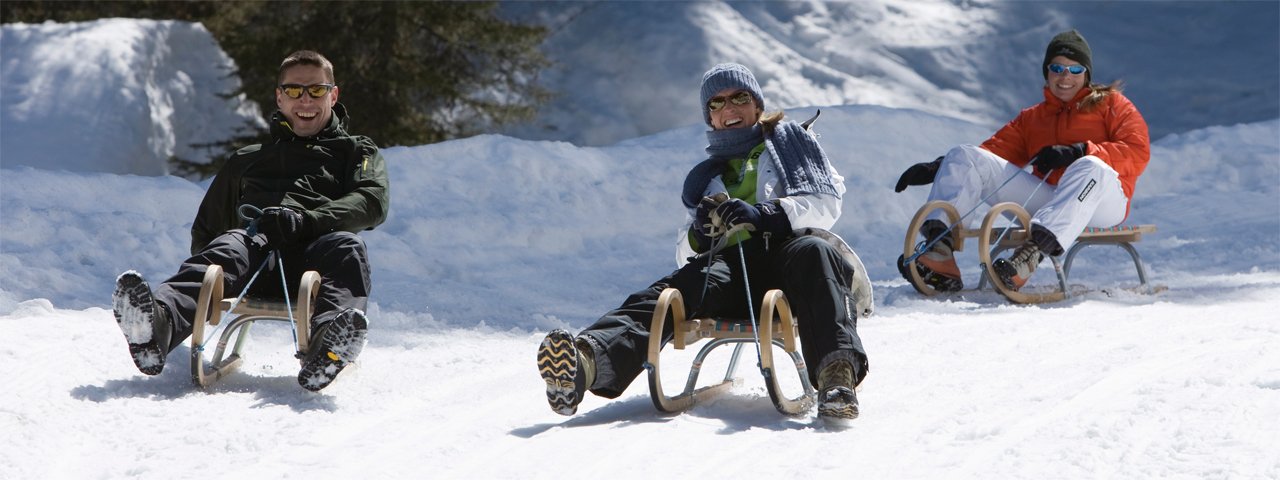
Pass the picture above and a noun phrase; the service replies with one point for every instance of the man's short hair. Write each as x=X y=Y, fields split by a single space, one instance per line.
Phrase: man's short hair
x=306 y=57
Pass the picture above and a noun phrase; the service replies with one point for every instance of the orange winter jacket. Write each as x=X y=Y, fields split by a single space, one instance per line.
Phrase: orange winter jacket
x=1112 y=130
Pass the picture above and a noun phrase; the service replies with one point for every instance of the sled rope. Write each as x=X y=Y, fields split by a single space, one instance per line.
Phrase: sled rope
x=722 y=239
x=251 y=214
x=1010 y=227
x=755 y=332
x=923 y=246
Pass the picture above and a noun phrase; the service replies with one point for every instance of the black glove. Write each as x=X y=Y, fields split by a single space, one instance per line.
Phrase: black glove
x=918 y=174
x=281 y=225
x=1054 y=157
x=761 y=217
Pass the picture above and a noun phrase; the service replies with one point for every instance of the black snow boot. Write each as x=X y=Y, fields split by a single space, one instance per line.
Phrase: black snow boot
x=145 y=323
x=334 y=345
x=837 y=402
x=568 y=368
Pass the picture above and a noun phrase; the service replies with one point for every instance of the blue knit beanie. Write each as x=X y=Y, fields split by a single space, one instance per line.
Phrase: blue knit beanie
x=728 y=75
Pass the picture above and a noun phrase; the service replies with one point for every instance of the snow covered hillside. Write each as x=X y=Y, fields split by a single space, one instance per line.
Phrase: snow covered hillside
x=1187 y=64
x=493 y=240
x=149 y=90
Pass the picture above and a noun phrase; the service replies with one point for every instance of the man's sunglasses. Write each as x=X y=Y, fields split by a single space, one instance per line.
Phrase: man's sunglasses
x=741 y=98
x=1074 y=69
x=294 y=91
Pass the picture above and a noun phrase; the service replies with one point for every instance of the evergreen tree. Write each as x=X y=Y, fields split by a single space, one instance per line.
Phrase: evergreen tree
x=411 y=73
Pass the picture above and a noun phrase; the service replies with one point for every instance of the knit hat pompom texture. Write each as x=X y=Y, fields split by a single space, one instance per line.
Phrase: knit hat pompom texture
x=1069 y=44
x=728 y=75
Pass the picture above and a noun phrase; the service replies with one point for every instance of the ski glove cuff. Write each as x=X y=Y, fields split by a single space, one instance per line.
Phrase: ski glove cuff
x=1053 y=157
x=918 y=174
x=282 y=226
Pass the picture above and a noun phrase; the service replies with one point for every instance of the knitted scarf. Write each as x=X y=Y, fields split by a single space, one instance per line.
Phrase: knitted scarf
x=794 y=152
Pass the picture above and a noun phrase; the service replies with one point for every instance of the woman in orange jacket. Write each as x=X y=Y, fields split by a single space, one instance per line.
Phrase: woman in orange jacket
x=1087 y=143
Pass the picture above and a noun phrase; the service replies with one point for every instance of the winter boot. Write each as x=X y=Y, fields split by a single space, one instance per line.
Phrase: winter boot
x=334 y=345
x=1015 y=270
x=837 y=402
x=937 y=267
x=568 y=368
x=145 y=323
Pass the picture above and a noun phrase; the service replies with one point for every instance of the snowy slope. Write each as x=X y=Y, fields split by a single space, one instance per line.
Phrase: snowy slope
x=1187 y=64
x=493 y=240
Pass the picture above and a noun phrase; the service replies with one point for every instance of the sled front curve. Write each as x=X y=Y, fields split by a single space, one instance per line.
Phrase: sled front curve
x=988 y=233
x=909 y=245
x=210 y=307
x=721 y=333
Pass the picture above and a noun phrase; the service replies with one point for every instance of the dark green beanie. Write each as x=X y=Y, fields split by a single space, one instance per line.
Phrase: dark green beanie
x=1069 y=44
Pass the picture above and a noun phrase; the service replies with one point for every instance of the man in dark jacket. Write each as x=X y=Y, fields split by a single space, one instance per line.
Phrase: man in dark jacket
x=316 y=186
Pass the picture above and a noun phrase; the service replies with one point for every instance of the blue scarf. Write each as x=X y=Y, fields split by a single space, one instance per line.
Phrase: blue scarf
x=795 y=153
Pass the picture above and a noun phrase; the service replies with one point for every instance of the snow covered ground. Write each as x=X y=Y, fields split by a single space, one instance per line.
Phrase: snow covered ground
x=494 y=240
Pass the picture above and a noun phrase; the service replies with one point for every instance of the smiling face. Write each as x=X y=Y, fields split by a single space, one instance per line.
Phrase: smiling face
x=305 y=114
x=1065 y=85
x=732 y=115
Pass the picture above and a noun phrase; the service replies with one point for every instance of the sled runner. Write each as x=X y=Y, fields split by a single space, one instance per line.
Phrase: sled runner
x=210 y=308
x=1002 y=238
x=776 y=327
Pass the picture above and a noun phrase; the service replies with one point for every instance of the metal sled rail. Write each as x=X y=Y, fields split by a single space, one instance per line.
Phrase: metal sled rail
x=1123 y=236
x=209 y=309
x=777 y=327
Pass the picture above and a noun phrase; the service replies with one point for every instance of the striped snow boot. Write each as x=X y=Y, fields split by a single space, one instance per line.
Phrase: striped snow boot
x=567 y=369
x=837 y=402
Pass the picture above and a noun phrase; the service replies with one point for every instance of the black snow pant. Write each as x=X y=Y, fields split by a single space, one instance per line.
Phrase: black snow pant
x=811 y=272
x=339 y=257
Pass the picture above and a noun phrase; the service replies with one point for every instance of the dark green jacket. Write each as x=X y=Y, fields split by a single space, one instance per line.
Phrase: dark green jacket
x=337 y=180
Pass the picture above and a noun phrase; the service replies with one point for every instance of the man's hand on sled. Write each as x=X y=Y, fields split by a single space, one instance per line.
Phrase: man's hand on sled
x=918 y=174
x=281 y=225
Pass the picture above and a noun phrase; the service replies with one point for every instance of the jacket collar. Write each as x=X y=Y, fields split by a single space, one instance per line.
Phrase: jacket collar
x=1057 y=103
x=282 y=132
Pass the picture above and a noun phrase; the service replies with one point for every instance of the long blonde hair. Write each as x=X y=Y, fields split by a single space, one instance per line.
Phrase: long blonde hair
x=1098 y=92
x=769 y=121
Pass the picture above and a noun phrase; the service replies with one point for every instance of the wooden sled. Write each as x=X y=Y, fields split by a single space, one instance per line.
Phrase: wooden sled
x=1123 y=236
x=210 y=307
x=777 y=327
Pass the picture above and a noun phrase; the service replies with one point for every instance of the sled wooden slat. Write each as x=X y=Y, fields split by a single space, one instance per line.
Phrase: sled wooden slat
x=993 y=238
x=209 y=311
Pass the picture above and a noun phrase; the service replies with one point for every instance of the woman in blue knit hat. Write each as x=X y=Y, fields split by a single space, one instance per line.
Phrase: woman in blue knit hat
x=768 y=180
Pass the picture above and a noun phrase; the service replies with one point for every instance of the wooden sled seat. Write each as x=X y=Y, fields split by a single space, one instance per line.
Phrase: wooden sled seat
x=992 y=239
x=211 y=306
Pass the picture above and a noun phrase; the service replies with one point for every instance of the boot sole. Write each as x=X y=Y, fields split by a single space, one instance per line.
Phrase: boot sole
x=558 y=366
x=134 y=309
x=340 y=346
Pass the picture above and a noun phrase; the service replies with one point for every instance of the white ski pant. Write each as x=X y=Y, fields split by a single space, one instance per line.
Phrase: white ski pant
x=1089 y=193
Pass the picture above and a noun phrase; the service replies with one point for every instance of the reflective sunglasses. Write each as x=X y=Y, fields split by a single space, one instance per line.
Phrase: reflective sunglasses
x=741 y=98
x=294 y=91
x=1074 y=69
